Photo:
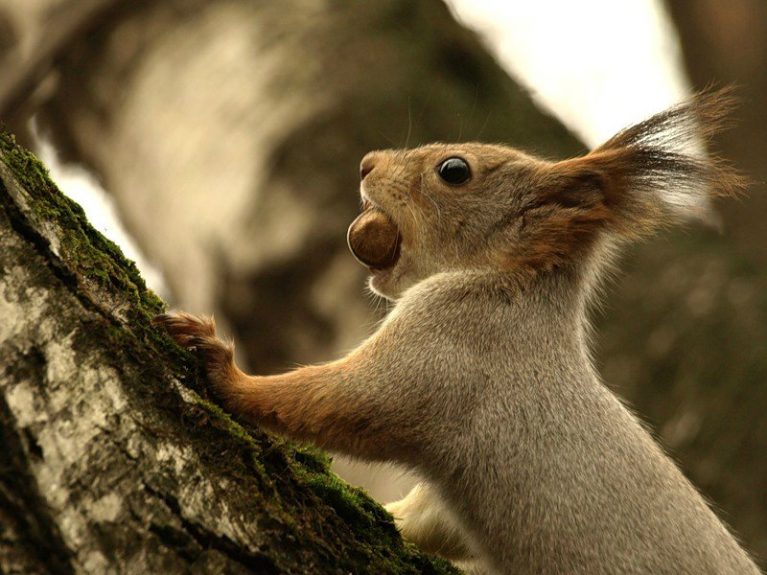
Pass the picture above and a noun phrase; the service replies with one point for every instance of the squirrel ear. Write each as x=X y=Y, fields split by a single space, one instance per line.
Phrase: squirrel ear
x=578 y=184
x=657 y=172
x=649 y=175
x=569 y=209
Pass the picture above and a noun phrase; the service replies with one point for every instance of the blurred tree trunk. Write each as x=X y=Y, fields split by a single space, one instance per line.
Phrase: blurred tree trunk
x=685 y=338
x=230 y=133
x=111 y=462
x=726 y=43
x=33 y=37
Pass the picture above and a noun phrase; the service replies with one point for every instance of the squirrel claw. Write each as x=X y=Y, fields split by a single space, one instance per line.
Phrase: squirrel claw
x=198 y=334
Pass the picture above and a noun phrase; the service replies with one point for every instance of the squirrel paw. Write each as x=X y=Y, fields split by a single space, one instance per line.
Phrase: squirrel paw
x=198 y=334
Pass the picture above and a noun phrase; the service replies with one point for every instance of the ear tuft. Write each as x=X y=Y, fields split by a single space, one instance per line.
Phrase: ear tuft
x=655 y=173
x=663 y=166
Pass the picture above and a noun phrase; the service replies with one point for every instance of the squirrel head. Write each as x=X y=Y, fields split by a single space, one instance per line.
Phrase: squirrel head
x=448 y=207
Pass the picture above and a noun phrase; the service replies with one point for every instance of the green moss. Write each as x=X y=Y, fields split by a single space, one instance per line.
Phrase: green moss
x=312 y=458
x=224 y=422
x=311 y=467
x=353 y=504
x=97 y=271
x=84 y=250
x=381 y=551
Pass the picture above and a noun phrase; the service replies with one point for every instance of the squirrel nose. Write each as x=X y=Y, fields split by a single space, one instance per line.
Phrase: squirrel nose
x=366 y=166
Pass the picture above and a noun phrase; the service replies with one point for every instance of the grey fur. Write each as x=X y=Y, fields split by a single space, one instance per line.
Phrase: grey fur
x=543 y=466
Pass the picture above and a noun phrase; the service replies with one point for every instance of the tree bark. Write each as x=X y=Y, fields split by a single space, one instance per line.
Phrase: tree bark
x=113 y=460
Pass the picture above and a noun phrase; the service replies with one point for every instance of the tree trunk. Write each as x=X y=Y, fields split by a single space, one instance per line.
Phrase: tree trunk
x=113 y=460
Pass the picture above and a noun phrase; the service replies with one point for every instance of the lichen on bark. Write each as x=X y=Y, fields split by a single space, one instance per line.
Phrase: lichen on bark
x=115 y=460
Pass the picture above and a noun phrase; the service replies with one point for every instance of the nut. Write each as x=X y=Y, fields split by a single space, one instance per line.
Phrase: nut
x=374 y=239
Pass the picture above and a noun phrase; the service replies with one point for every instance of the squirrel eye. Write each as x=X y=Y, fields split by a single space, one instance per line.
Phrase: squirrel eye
x=454 y=171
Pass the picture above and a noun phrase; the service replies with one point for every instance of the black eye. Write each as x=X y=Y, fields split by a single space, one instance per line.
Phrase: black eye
x=454 y=171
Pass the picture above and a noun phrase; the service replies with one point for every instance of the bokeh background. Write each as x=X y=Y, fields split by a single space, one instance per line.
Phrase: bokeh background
x=218 y=142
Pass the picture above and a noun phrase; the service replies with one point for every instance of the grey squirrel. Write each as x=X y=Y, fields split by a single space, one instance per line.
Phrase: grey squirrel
x=480 y=378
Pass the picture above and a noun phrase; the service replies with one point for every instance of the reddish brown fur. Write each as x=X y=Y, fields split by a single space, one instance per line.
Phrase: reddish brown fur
x=561 y=208
x=609 y=187
x=307 y=403
x=199 y=333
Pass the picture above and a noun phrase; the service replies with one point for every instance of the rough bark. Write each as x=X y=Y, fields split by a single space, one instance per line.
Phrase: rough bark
x=113 y=461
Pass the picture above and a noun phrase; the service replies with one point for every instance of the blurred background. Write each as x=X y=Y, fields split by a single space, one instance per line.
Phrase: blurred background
x=218 y=142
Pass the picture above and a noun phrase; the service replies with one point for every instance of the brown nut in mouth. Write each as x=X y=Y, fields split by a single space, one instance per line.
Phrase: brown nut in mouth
x=374 y=239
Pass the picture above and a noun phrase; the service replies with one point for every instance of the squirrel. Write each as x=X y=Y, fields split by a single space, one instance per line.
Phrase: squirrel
x=480 y=378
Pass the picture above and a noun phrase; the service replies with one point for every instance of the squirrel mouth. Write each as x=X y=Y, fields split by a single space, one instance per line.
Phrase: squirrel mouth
x=374 y=239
